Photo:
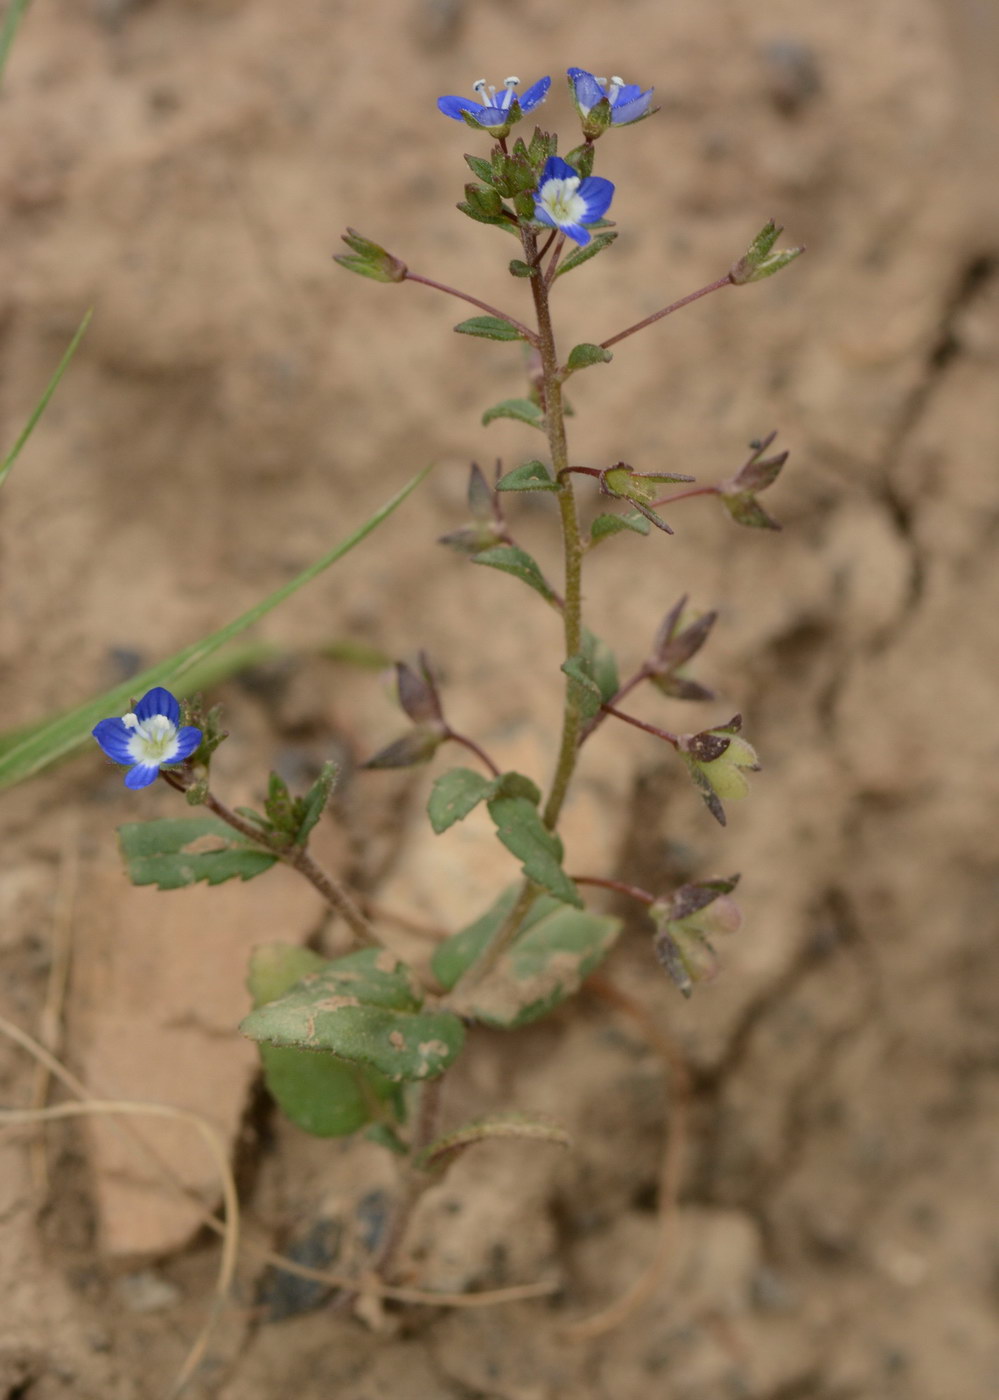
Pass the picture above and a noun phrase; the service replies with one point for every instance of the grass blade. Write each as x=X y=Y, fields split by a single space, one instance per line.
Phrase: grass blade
x=22 y=754
x=50 y=388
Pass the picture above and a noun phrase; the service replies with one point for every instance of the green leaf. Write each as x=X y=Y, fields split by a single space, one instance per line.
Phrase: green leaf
x=468 y=208
x=583 y=688
x=365 y=1009
x=581 y=158
x=310 y=808
x=606 y=525
x=182 y=850
x=440 y=1154
x=581 y=255
x=325 y=1096
x=489 y=328
x=580 y=356
x=50 y=388
x=25 y=753
x=522 y=410
x=601 y=665
x=519 y=268
x=511 y=560
x=454 y=795
x=520 y=828
x=529 y=476
x=555 y=950
x=482 y=168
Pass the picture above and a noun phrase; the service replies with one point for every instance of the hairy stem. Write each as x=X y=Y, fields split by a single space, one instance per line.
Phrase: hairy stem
x=297 y=857
x=525 y=331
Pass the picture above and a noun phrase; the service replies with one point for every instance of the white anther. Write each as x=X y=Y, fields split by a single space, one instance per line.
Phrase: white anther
x=511 y=82
x=130 y=721
x=479 y=85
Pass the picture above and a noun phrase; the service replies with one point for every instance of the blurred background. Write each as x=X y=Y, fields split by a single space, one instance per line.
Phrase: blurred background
x=240 y=403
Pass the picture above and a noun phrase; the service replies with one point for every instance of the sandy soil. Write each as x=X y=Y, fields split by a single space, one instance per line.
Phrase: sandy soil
x=239 y=403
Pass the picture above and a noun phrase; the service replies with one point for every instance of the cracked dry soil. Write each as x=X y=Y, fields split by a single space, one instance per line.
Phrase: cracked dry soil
x=829 y=1119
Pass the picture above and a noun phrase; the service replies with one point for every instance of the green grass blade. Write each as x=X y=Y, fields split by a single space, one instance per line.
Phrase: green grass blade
x=24 y=754
x=50 y=388
x=15 y=13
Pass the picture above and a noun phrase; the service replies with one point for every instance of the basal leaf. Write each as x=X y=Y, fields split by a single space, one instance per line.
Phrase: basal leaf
x=182 y=850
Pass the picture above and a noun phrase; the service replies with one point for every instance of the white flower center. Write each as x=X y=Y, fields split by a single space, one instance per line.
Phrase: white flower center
x=153 y=741
x=562 y=200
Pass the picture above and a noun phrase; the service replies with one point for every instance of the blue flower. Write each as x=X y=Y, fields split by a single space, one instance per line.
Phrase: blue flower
x=628 y=102
x=490 y=111
x=565 y=201
x=148 y=738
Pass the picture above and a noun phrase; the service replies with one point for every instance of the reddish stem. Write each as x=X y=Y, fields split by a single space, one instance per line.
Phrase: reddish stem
x=529 y=335
x=640 y=724
x=668 y=310
x=685 y=495
x=473 y=747
x=619 y=886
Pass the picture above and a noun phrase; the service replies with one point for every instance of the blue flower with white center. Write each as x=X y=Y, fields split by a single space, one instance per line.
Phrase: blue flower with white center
x=493 y=112
x=628 y=103
x=565 y=201
x=148 y=738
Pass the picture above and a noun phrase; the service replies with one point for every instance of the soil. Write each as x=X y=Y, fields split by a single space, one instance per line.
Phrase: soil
x=808 y=1147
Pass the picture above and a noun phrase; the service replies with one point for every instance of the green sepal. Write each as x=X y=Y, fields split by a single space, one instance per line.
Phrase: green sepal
x=593 y=678
x=489 y=328
x=511 y=560
x=522 y=832
x=543 y=144
x=473 y=213
x=460 y=790
x=523 y=204
x=365 y=1009
x=484 y=200
x=369 y=259
x=529 y=476
x=745 y=509
x=323 y=1095
x=581 y=159
x=580 y=255
x=179 y=851
x=585 y=354
x=482 y=168
x=606 y=525
x=522 y=410
x=555 y=950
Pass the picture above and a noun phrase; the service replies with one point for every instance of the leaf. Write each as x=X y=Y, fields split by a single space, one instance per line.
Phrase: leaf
x=745 y=509
x=522 y=410
x=512 y=560
x=482 y=168
x=440 y=1154
x=583 y=688
x=556 y=949
x=314 y=802
x=580 y=356
x=13 y=16
x=529 y=476
x=581 y=255
x=519 y=268
x=365 y=1009
x=454 y=795
x=26 y=753
x=606 y=525
x=182 y=850
x=489 y=328
x=323 y=1095
x=521 y=830
x=459 y=791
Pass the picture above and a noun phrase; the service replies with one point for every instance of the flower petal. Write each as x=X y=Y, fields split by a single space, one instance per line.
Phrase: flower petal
x=492 y=116
x=577 y=232
x=187 y=741
x=542 y=216
x=597 y=193
x=454 y=106
x=534 y=95
x=631 y=109
x=158 y=702
x=142 y=775
x=586 y=91
x=557 y=169
x=114 y=737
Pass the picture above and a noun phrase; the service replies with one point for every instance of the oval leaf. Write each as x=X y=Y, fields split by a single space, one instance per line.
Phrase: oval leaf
x=454 y=795
x=529 y=476
x=511 y=560
x=182 y=850
x=489 y=328
x=523 y=410
x=580 y=356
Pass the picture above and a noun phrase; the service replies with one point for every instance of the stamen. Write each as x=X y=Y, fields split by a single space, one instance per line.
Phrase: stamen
x=479 y=86
x=616 y=84
x=511 y=82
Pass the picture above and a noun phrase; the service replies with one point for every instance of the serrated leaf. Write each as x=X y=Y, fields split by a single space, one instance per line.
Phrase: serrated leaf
x=180 y=851
x=606 y=525
x=529 y=476
x=521 y=830
x=580 y=356
x=440 y=1154
x=556 y=949
x=489 y=328
x=365 y=1009
x=321 y=1094
x=455 y=794
x=509 y=559
x=521 y=410
x=581 y=255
